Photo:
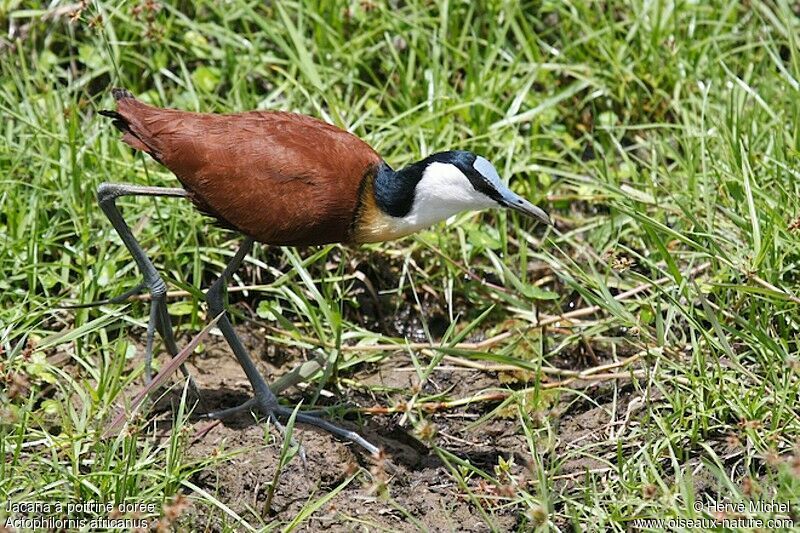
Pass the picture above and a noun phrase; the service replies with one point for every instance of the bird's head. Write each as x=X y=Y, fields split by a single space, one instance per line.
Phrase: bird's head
x=434 y=189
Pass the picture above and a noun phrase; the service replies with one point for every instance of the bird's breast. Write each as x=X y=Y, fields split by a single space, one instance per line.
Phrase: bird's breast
x=380 y=227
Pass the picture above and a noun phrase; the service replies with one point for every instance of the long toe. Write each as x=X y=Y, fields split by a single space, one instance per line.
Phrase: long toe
x=249 y=405
x=330 y=427
x=273 y=411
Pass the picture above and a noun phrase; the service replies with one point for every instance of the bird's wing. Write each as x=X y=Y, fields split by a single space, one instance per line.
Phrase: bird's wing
x=282 y=178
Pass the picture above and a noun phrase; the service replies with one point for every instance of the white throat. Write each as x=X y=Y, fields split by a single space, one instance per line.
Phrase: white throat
x=442 y=192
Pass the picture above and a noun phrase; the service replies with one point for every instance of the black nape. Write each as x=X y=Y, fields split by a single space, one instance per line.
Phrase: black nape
x=394 y=190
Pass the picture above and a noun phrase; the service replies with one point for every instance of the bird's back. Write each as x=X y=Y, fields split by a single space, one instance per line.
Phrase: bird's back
x=279 y=177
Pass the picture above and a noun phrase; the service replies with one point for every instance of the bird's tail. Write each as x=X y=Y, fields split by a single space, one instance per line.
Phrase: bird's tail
x=124 y=120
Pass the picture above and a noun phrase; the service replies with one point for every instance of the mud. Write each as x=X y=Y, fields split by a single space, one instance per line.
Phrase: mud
x=420 y=490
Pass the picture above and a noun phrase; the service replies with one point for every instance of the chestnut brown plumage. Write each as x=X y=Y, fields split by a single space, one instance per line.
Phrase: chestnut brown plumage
x=288 y=179
x=251 y=170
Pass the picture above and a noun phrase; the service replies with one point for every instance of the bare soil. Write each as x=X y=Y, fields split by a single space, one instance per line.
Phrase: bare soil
x=420 y=482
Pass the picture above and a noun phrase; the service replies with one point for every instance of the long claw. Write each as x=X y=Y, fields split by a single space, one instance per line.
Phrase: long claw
x=282 y=430
x=231 y=411
x=330 y=427
x=307 y=417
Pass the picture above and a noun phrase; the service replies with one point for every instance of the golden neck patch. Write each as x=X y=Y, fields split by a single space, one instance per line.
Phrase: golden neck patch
x=371 y=224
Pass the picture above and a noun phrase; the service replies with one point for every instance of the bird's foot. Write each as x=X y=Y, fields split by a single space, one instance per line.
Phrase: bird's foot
x=274 y=411
x=265 y=406
x=249 y=405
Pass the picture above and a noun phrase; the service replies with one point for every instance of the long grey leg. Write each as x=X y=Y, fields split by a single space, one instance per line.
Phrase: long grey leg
x=216 y=305
x=107 y=195
x=264 y=398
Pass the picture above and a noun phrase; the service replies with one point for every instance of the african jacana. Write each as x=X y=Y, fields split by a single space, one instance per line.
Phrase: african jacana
x=288 y=179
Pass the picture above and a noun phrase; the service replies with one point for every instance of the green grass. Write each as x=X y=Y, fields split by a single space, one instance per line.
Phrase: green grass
x=662 y=137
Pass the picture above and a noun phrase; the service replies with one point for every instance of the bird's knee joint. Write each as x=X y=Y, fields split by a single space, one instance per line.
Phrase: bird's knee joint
x=158 y=289
x=107 y=192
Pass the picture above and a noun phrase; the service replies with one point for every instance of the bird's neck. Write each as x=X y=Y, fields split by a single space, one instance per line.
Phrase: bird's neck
x=396 y=203
x=394 y=190
x=386 y=197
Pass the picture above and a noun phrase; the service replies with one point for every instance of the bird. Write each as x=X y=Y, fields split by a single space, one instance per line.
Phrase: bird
x=286 y=179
